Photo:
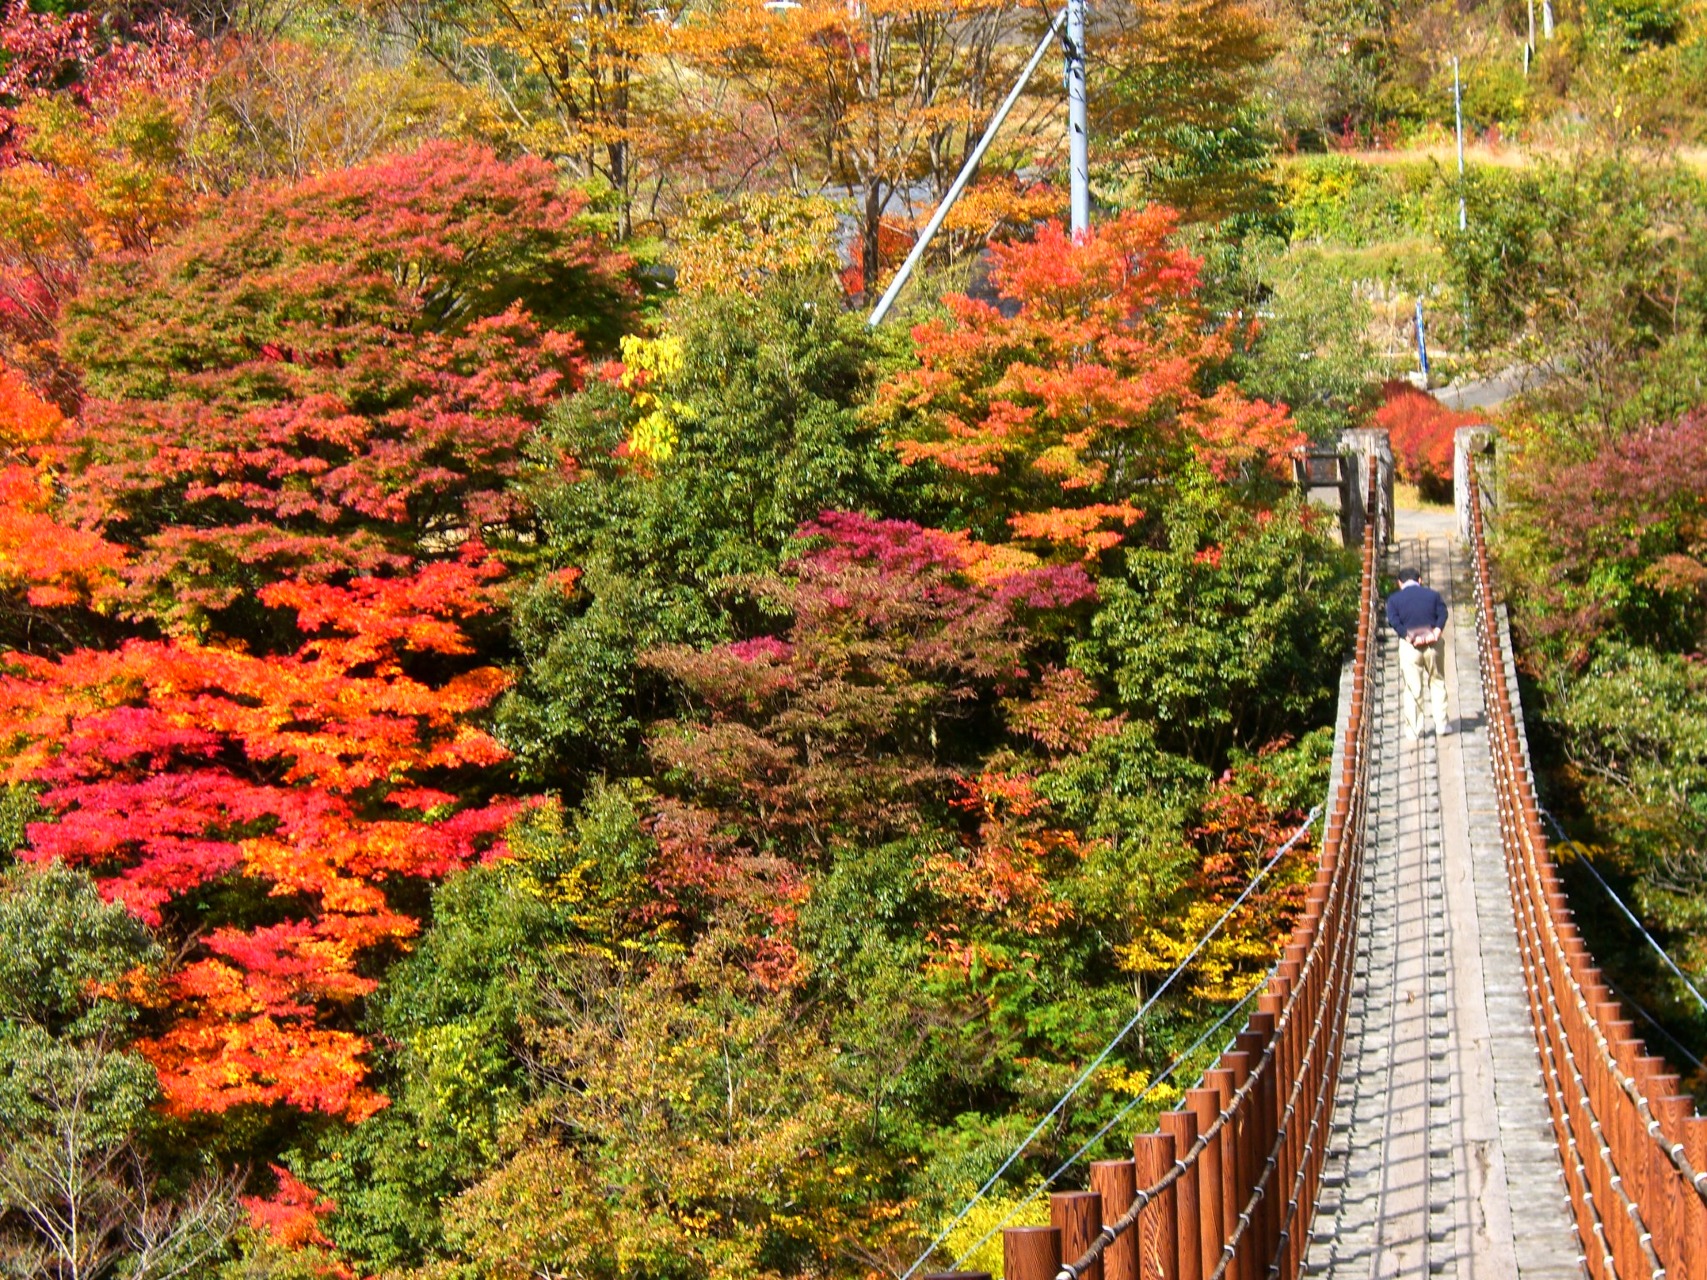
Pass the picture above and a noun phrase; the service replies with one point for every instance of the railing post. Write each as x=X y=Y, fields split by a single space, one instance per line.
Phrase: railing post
x=1116 y=1181
x=1181 y=1126
x=1158 y=1224
x=1031 y=1253
x=1205 y=1104
x=1225 y=1081
x=1078 y=1216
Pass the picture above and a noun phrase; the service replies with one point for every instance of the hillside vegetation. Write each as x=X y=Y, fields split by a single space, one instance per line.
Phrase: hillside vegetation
x=536 y=742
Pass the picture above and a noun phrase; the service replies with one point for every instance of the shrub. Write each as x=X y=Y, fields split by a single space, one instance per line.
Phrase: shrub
x=1421 y=429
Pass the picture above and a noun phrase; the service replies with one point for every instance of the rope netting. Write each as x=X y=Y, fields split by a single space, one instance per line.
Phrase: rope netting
x=1634 y=1151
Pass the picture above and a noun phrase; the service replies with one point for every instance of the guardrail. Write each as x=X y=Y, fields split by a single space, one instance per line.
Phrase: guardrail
x=1634 y=1150
x=1225 y=1188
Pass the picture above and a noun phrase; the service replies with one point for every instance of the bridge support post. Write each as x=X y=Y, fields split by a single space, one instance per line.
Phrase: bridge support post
x=1467 y=442
x=1360 y=444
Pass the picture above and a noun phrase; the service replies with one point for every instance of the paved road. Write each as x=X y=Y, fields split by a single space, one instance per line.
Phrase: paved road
x=1442 y=1161
x=1487 y=393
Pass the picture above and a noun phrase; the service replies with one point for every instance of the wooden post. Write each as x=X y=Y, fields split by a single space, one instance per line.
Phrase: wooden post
x=1158 y=1224
x=1116 y=1181
x=1031 y=1253
x=1225 y=1083
x=1205 y=1104
x=1181 y=1126
x=1078 y=1217
x=1466 y=442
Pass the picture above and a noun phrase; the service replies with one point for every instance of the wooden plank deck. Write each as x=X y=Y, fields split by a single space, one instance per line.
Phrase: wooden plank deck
x=1442 y=1160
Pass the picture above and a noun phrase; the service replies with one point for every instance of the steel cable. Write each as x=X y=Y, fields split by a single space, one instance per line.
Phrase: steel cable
x=1548 y=962
x=1072 y=1089
x=1629 y=914
x=1183 y=1057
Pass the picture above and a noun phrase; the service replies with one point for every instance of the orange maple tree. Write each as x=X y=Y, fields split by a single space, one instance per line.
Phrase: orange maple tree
x=50 y=562
x=1053 y=410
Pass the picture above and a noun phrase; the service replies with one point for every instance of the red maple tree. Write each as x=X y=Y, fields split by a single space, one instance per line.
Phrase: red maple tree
x=335 y=376
x=301 y=421
x=847 y=728
x=318 y=777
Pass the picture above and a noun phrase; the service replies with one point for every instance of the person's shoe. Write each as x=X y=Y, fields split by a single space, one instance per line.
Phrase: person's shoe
x=1446 y=731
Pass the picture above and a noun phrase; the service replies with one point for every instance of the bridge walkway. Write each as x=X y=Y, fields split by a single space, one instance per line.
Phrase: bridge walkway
x=1442 y=1160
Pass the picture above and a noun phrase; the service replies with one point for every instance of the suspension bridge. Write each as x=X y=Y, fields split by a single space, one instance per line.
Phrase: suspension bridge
x=1434 y=1080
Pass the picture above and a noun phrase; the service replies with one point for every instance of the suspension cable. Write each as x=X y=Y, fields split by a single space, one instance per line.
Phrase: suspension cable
x=1629 y=915
x=1072 y=1089
x=1184 y=1056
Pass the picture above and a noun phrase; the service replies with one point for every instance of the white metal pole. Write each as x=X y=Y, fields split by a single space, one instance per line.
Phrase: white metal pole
x=1529 y=49
x=1078 y=128
x=1547 y=19
x=1458 y=117
x=965 y=175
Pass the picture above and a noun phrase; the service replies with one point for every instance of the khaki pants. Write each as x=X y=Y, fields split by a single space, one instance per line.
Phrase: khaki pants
x=1424 y=674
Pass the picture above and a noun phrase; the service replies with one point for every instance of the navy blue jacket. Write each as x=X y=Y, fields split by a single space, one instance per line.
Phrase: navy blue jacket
x=1412 y=607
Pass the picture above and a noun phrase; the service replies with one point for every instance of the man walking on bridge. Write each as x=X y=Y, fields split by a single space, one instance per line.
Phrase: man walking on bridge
x=1418 y=613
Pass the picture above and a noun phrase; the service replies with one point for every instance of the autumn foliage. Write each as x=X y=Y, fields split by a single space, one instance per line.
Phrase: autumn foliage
x=319 y=377
x=898 y=632
x=170 y=767
x=290 y=468
x=1053 y=409
x=540 y=743
x=1421 y=430
x=49 y=562
x=88 y=161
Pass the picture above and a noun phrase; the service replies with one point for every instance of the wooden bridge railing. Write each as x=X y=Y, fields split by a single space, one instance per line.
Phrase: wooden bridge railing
x=1634 y=1150
x=1225 y=1188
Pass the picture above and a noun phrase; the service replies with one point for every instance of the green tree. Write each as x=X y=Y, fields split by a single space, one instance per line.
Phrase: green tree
x=79 y=1194
x=1231 y=631
x=657 y=498
x=1594 y=268
x=455 y=1017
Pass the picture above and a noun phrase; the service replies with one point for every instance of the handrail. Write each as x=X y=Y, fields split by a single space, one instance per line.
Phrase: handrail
x=1198 y=1202
x=1632 y=1146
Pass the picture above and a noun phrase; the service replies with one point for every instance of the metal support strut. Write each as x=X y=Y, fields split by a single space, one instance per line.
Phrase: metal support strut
x=1078 y=144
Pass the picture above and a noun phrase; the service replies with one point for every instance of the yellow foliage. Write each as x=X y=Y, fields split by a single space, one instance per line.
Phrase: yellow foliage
x=742 y=244
x=648 y=362
x=986 y=1215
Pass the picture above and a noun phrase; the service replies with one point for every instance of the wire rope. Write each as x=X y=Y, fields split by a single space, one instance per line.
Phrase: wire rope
x=1184 y=1056
x=1629 y=914
x=1133 y=1021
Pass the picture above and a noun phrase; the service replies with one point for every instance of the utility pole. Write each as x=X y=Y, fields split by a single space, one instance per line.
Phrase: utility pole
x=1458 y=117
x=1078 y=144
x=1422 y=344
x=1078 y=128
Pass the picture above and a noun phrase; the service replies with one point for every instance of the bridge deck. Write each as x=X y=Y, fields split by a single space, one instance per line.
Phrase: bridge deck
x=1442 y=1161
